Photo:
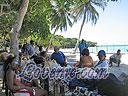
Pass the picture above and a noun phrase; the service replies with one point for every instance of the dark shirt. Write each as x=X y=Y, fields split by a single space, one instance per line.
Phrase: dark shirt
x=59 y=57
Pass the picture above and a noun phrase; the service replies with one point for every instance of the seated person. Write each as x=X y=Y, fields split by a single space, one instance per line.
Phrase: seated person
x=85 y=59
x=16 y=84
x=24 y=59
x=58 y=56
x=116 y=58
x=92 y=83
x=3 y=55
x=102 y=60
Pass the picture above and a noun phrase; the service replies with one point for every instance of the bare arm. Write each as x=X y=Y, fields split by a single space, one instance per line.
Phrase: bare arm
x=10 y=81
x=12 y=84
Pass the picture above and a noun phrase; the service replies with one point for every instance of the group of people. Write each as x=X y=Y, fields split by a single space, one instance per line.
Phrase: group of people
x=17 y=84
x=87 y=61
x=12 y=82
x=85 y=58
x=30 y=49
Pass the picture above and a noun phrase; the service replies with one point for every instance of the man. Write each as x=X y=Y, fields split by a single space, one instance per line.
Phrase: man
x=116 y=58
x=58 y=56
x=81 y=46
x=30 y=48
x=102 y=60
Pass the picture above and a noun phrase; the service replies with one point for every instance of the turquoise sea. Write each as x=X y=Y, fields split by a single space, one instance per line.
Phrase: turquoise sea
x=109 y=48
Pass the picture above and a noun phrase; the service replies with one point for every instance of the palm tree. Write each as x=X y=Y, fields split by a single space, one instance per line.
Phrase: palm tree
x=59 y=17
x=87 y=10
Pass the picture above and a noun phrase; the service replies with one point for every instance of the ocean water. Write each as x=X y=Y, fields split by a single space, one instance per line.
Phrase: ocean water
x=109 y=48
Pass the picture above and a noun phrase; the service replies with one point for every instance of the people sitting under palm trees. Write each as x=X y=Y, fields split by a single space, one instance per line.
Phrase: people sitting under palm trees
x=16 y=84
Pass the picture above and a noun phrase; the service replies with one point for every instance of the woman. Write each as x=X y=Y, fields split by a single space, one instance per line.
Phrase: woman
x=85 y=59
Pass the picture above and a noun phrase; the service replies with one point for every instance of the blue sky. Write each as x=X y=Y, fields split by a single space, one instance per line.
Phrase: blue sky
x=111 y=27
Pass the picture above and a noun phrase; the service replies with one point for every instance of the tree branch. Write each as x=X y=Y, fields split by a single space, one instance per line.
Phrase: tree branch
x=7 y=13
x=34 y=5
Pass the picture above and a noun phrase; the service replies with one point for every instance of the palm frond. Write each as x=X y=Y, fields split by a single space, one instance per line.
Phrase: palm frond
x=99 y=3
x=69 y=21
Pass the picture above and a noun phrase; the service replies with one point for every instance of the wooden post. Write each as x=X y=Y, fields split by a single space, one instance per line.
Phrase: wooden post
x=56 y=91
x=61 y=89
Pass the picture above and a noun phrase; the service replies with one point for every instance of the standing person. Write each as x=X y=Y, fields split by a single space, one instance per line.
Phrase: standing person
x=116 y=58
x=24 y=47
x=58 y=56
x=30 y=48
x=81 y=46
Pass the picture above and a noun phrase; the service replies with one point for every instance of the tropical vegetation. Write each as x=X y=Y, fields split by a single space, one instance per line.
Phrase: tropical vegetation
x=34 y=19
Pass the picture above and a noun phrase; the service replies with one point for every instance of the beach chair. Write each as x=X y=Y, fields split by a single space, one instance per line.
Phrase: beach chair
x=22 y=92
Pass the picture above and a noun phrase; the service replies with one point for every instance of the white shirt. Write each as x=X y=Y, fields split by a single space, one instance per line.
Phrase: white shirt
x=117 y=57
x=102 y=64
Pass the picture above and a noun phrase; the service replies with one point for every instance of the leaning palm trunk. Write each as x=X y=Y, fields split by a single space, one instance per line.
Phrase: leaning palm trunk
x=50 y=41
x=16 y=28
x=80 y=31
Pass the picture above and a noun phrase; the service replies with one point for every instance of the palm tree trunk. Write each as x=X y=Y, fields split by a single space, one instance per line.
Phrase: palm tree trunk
x=50 y=41
x=80 y=31
x=14 y=34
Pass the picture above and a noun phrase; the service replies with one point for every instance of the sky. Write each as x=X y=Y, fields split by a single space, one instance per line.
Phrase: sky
x=111 y=27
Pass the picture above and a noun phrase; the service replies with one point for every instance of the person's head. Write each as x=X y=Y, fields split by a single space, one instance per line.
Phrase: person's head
x=56 y=48
x=40 y=48
x=39 y=60
x=36 y=44
x=118 y=52
x=20 y=46
x=85 y=52
x=82 y=40
x=24 y=59
x=25 y=41
x=101 y=55
x=9 y=58
x=3 y=56
x=15 y=65
x=32 y=42
x=43 y=53
x=10 y=62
